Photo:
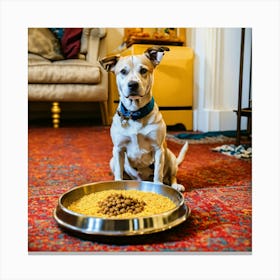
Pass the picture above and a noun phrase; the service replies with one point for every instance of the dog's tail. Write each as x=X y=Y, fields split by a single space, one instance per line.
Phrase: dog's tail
x=182 y=153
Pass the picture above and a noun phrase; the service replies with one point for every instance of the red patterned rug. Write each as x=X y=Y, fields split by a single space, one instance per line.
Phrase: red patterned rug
x=218 y=191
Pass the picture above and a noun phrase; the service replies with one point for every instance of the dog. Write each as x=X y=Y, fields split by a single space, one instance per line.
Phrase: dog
x=138 y=130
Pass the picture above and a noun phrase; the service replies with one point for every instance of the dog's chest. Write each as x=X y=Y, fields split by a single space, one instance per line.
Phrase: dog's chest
x=139 y=151
x=138 y=143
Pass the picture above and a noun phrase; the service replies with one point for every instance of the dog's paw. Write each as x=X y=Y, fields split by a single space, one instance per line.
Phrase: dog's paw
x=178 y=187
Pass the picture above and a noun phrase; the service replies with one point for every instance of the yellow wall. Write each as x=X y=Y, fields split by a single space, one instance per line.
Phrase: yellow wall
x=114 y=39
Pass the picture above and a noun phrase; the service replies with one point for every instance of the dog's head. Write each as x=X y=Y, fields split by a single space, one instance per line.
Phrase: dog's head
x=134 y=74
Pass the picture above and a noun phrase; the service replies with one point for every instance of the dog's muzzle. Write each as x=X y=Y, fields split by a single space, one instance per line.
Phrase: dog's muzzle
x=133 y=87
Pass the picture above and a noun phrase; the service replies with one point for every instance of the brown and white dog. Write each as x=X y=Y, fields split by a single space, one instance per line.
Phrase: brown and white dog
x=138 y=130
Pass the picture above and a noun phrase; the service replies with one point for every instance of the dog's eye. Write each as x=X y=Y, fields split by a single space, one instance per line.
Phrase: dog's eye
x=143 y=71
x=123 y=72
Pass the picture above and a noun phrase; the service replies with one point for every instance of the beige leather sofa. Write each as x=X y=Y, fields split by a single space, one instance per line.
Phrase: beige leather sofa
x=71 y=80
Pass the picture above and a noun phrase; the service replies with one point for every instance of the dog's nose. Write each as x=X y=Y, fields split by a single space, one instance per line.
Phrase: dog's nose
x=133 y=86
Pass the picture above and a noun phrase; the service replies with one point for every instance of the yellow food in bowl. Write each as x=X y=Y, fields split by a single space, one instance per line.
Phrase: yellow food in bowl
x=121 y=204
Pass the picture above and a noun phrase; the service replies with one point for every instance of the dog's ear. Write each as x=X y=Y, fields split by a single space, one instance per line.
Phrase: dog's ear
x=155 y=54
x=109 y=62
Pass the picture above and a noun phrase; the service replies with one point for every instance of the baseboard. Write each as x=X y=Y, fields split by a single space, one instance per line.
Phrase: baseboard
x=216 y=120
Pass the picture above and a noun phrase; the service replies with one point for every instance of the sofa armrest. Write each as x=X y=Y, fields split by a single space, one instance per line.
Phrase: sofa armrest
x=98 y=32
x=95 y=35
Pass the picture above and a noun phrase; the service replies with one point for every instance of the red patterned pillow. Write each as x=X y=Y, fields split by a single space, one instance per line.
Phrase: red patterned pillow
x=71 y=42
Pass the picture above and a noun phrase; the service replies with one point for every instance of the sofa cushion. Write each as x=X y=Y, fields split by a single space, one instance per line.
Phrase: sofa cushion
x=37 y=59
x=73 y=71
x=59 y=92
x=43 y=42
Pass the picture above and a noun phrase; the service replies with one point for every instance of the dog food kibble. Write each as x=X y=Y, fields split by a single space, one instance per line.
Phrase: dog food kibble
x=120 y=204
x=116 y=204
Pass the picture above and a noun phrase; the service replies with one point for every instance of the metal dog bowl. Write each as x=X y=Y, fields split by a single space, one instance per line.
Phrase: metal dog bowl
x=91 y=225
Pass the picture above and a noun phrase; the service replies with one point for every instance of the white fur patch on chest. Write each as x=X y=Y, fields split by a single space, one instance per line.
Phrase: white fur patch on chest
x=138 y=141
x=139 y=150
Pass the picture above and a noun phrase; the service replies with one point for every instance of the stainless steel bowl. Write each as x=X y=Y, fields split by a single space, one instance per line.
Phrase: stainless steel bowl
x=91 y=225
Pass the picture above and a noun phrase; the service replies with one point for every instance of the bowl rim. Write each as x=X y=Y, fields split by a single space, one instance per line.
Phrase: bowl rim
x=165 y=213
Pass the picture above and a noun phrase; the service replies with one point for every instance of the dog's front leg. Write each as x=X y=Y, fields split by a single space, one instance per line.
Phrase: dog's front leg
x=118 y=163
x=159 y=165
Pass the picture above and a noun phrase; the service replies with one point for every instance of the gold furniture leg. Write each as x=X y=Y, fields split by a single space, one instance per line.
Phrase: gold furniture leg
x=55 y=114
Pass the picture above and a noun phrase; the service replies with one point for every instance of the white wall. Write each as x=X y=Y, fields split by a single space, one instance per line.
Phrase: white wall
x=216 y=76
